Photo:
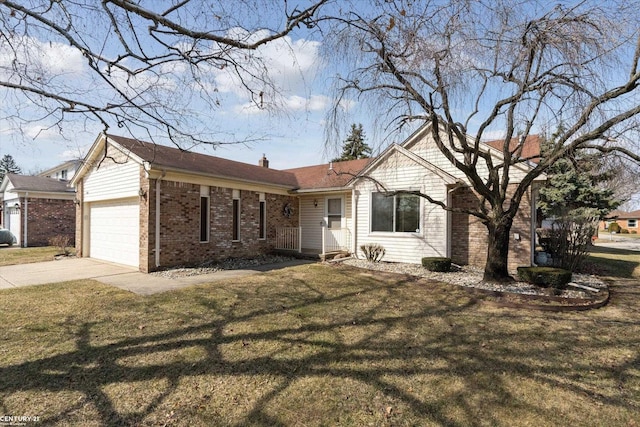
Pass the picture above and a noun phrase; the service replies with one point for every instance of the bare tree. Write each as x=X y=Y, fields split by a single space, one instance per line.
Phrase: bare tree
x=145 y=64
x=505 y=67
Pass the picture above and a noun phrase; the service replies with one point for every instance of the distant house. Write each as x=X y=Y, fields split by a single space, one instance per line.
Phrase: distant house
x=62 y=172
x=152 y=206
x=36 y=208
x=629 y=221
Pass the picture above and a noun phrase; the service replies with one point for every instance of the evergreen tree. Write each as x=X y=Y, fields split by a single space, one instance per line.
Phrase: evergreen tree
x=575 y=197
x=8 y=165
x=354 y=146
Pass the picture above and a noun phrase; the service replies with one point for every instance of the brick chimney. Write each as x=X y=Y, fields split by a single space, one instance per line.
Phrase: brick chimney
x=263 y=162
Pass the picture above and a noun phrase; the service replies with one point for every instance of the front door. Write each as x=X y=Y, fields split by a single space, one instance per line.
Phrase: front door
x=334 y=235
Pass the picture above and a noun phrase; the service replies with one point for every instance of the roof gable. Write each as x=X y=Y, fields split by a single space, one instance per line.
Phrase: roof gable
x=395 y=148
x=36 y=184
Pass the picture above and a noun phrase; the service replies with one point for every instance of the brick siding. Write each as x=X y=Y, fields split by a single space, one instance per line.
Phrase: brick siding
x=469 y=235
x=180 y=224
x=47 y=218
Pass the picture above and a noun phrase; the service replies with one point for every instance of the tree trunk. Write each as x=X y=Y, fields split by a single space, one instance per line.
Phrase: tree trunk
x=495 y=269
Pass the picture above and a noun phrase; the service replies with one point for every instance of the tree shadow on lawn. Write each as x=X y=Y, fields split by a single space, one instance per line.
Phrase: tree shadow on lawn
x=615 y=262
x=362 y=350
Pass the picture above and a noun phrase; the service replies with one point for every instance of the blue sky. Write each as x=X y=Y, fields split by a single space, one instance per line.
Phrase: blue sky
x=290 y=131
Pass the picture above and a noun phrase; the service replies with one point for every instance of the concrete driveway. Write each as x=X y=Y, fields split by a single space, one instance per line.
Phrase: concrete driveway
x=619 y=242
x=118 y=275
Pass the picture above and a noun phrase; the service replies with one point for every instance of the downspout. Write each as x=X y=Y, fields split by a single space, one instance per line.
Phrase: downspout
x=157 y=249
x=25 y=213
x=354 y=221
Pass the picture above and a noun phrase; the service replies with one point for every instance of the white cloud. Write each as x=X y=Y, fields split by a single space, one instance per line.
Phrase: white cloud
x=314 y=103
x=73 y=154
x=34 y=131
x=41 y=59
x=289 y=65
x=493 y=135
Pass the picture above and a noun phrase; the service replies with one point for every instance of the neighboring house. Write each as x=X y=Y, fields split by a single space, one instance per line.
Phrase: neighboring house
x=63 y=172
x=36 y=208
x=152 y=206
x=626 y=220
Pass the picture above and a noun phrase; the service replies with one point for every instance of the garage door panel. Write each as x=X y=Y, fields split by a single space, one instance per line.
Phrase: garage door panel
x=115 y=231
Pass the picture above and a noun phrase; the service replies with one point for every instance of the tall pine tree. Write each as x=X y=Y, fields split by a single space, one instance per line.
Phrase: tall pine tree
x=576 y=195
x=354 y=146
x=8 y=165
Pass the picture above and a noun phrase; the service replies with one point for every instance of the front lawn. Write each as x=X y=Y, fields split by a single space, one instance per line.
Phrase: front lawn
x=613 y=262
x=314 y=345
x=13 y=255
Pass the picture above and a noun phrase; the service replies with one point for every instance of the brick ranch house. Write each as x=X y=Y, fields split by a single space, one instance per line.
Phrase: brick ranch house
x=36 y=208
x=629 y=221
x=152 y=206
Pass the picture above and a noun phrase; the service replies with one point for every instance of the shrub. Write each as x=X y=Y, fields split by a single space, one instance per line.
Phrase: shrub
x=437 y=264
x=62 y=243
x=634 y=232
x=373 y=252
x=624 y=231
x=545 y=276
x=614 y=227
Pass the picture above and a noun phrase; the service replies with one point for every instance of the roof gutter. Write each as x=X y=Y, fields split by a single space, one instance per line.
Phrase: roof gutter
x=321 y=190
x=165 y=169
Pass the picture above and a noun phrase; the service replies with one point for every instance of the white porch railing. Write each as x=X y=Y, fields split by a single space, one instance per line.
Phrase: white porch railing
x=334 y=240
x=289 y=238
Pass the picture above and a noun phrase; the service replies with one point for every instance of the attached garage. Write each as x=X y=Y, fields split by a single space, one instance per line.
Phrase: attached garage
x=114 y=232
x=13 y=218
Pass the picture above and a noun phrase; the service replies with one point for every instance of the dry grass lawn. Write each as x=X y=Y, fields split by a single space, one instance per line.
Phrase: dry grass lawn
x=614 y=262
x=15 y=255
x=314 y=346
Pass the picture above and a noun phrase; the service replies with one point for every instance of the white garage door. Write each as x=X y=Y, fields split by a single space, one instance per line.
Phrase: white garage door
x=14 y=223
x=115 y=231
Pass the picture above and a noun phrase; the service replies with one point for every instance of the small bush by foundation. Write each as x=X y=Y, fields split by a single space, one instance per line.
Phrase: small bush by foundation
x=439 y=264
x=373 y=252
x=545 y=276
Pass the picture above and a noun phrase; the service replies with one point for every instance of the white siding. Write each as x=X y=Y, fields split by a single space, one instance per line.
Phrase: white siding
x=112 y=179
x=427 y=149
x=401 y=173
x=312 y=218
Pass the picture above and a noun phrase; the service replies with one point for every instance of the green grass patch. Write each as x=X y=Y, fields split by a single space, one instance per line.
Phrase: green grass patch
x=13 y=255
x=613 y=262
x=314 y=345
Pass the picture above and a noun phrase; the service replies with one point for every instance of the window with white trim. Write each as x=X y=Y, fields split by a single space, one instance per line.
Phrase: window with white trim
x=204 y=213
x=262 y=221
x=632 y=223
x=334 y=213
x=236 y=215
x=399 y=213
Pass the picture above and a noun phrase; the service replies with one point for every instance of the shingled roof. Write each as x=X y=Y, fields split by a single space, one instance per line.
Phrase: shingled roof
x=324 y=176
x=38 y=183
x=328 y=175
x=624 y=215
x=530 y=149
x=169 y=157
